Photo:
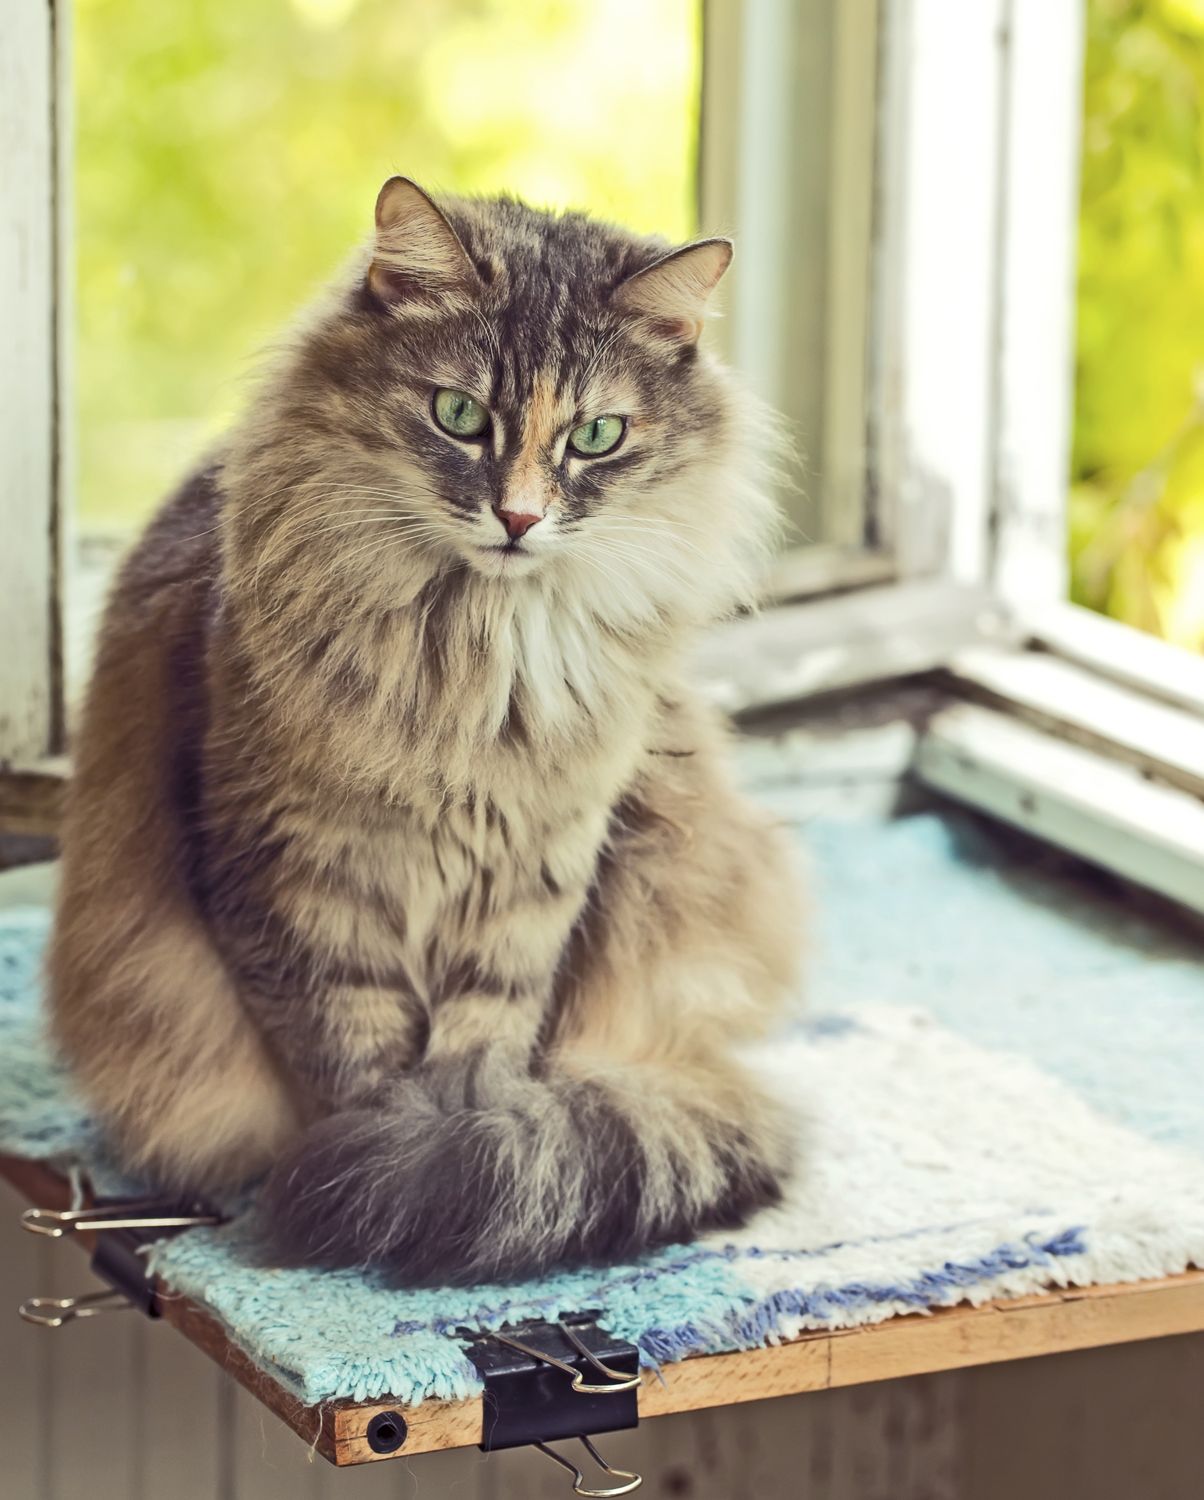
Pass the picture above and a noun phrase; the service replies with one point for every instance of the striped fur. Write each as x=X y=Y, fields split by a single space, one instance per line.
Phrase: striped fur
x=402 y=865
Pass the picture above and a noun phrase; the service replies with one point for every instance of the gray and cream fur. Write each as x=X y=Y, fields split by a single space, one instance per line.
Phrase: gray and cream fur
x=400 y=863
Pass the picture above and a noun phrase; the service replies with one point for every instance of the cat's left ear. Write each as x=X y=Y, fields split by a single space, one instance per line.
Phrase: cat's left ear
x=672 y=293
x=417 y=253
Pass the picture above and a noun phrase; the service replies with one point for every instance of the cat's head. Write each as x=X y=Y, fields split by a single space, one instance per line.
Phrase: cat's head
x=521 y=397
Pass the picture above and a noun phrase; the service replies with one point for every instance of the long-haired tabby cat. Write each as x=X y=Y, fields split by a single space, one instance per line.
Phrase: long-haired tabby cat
x=400 y=863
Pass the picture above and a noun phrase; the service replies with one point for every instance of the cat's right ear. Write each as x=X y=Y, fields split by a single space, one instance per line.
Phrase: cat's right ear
x=417 y=255
x=670 y=296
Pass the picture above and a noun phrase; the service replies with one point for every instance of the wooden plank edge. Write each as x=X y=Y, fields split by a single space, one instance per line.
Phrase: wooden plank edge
x=41 y=1184
x=1121 y=653
x=820 y=569
x=794 y=652
x=313 y=1424
x=953 y=1338
x=1101 y=809
x=1161 y=740
x=1053 y=1322
x=31 y=798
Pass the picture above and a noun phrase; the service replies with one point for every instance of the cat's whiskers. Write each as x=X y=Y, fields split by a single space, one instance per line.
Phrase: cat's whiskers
x=299 y=530
x=420 y=536
x=651 y=523
x=317 y=493
x=316 y=500
x=298 y=520
x=633 y=551
x=345 y=522
x=228 y=512
x=635 y=576
x=603 y=532
x=592 y=559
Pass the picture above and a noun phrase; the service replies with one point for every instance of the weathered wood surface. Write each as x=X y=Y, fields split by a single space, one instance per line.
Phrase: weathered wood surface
x=1117 y=652
x=901 y=1347
x=31 y=798
x=1063 y=793
x=1164 y=742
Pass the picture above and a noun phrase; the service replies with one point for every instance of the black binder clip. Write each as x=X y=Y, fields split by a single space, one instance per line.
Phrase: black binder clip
x=123 y=1230
x=547 y=1381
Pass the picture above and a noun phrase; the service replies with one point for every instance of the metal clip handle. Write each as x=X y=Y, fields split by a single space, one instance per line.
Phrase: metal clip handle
x=59 y=1222
x=619 y=1380
x=616 y=1380
x=54 y=1312
x=633 y=1481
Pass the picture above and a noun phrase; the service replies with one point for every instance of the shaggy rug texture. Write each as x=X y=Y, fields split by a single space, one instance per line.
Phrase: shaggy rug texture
x=996 y=1083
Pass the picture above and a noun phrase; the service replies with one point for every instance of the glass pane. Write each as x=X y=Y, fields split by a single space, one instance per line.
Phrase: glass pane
x=228 y=156
x=1137 y=500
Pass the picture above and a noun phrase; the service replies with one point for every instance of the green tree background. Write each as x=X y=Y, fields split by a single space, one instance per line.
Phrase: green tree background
x=1137 y=495
x=228 y=155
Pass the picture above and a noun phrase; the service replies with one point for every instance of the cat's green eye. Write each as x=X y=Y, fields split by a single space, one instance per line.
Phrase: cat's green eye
x=597 y=436
x=458 y=414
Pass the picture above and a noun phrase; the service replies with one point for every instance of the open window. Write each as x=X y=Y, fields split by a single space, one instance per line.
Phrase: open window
x=904 y=184
x=941 y=376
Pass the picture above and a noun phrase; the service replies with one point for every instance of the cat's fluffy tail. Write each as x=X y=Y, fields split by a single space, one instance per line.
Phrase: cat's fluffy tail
x=598 y=1164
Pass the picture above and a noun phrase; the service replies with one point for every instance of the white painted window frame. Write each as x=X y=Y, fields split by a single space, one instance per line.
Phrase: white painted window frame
x=788 y=144
x=949 y=557
x=946 y=338
x=943 y=247
x=34 y=313
x=974 y=291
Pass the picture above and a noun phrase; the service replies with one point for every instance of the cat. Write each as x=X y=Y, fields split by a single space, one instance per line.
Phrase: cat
x=401 y=863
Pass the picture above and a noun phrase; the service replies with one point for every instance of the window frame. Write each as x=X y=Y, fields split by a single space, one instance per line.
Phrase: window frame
x=35 y=310
x=950 y=260
x=797 y=193
x=947 y=347
x=963 y=526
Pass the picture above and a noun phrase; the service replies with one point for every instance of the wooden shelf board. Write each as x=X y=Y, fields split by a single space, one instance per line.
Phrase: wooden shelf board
x=917 y=1344
x=31 y=798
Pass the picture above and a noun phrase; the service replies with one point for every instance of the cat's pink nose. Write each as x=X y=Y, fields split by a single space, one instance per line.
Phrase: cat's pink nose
x=517 y=523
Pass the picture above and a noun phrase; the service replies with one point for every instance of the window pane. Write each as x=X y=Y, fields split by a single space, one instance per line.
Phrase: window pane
x=228 y=156
x=789 y=138
x=1137 y=501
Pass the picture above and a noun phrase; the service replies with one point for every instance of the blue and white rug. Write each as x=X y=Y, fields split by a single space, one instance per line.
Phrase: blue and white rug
x=1000 y=1149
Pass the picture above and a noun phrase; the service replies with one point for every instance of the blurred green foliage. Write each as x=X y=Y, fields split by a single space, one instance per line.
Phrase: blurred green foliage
x=1137 y=498
x=228 y=156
